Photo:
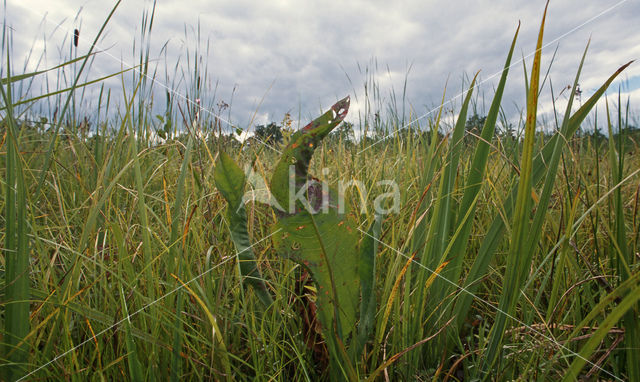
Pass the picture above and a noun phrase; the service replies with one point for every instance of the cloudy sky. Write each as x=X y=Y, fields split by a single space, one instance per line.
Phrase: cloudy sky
x=272 y=57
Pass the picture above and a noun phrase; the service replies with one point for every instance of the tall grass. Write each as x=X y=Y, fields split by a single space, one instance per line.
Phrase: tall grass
x=16 y=246
x=510 y=258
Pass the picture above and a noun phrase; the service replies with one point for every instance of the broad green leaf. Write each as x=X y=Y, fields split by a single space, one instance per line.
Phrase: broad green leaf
x=299 y=151
x=321 y=235
x=230 y=181
x=326 y=245
x=324 y=242
x=367 y=269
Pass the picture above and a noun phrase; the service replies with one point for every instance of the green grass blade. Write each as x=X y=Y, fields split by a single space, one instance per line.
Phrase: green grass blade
x=135 y=367
x=620 y=254
x=475 y=180
x=69 y=89
x=440 y=224
x=95 y=210
x=76 y=81
x=496 y=230
x=426 y=178
x=147 y=251
x=20 y=77
x=601 y=308
x=513 y=282
x=16 y=249
x=623 y=308
x=545 y=197
x=175 y=258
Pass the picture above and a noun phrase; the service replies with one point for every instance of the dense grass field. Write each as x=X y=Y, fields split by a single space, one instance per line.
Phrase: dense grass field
x=128 y=255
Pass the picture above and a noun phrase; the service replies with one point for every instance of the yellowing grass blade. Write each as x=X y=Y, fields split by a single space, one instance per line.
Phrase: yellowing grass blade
x=512 y=283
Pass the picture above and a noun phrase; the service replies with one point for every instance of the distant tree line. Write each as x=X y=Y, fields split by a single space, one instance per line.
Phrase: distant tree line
x=274 y=133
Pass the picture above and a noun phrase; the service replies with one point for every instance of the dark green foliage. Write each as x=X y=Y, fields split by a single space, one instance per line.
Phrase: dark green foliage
x=270 y=133
x=474 y=124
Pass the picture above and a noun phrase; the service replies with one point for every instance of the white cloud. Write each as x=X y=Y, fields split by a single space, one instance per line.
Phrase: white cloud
x=243 y=136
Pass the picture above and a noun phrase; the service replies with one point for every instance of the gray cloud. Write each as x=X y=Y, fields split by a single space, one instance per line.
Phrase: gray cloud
x=301 y=55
